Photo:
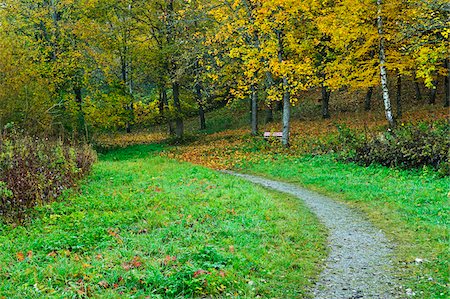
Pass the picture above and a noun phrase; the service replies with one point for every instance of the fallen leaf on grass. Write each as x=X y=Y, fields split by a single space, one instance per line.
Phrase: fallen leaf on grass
x=200 y=272
x=168 y=259
x=81 y=292
x=119 y=280
x=135 y=263
x=20 y=256
x=155 y=189
x=115 y=234
x=104 y=284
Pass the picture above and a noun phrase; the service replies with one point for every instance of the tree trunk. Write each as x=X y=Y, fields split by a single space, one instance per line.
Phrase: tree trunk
x=161 y=104
x=81 y=120
x=383 y=71
x=131 y=104
x=269 y=114
x=325 y=101
x=250 y=110
x=179 y=129
x=279 y=106
x=201 y=115
x=254 y=99
x=269 y=106
x=125 y=71
x=286 y=113
x=399 y=95
x=417 y=88
x=369 y=94
x=55 y=19
x=368 y=101
x=418 y=93
x=447 y=84
x=433 y=93
x=164 y=104
x=131 y=113
x=286 y=96
x=201 y=109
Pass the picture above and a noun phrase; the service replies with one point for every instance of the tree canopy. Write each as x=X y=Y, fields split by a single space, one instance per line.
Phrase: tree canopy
x=86 y=65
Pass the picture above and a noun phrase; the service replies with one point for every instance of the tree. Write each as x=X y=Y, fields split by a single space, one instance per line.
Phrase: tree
x=25 y=94
x=47 y=32
x=172 y=30
x=357 y=30
x=112 y=37
x=426 y=31
x=239 y=32
x=288 y=52
x=383 y=69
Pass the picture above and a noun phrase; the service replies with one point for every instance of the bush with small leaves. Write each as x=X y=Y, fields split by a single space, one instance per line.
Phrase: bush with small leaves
x=407 y=146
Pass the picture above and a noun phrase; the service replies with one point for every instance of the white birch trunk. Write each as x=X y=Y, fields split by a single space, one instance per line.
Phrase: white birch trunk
x=383 y=70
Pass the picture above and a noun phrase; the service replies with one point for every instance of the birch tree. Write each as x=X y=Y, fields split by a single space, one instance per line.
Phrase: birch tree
x=383 y=71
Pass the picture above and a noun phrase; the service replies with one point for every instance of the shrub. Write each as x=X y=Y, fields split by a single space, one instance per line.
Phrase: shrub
x=37 y=170
x=407 y=146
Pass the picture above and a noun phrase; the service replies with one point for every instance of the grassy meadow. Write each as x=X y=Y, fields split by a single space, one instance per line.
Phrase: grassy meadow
x=146 y=226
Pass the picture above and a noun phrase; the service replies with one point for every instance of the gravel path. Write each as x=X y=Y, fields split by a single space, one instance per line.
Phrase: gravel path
x=358 y=265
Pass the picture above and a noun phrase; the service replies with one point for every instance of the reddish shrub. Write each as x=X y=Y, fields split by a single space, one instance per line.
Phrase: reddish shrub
x=37 y=170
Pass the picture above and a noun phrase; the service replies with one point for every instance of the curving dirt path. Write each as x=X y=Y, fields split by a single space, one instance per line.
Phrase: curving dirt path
x=358 y=265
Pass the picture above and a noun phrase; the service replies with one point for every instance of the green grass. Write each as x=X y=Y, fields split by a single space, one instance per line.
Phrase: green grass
x=411 y=207
x=142 y=225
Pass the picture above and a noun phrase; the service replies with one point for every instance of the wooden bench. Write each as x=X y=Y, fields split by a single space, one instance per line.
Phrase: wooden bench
x=268 y=135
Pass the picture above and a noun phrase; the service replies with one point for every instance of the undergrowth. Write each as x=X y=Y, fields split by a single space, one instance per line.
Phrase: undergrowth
x=408 y=146
x=36 y=170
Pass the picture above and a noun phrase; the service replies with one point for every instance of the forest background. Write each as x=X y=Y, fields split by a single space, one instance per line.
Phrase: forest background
x=80 y=68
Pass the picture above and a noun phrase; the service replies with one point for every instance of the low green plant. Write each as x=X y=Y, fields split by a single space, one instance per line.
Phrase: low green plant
x=408 y=146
